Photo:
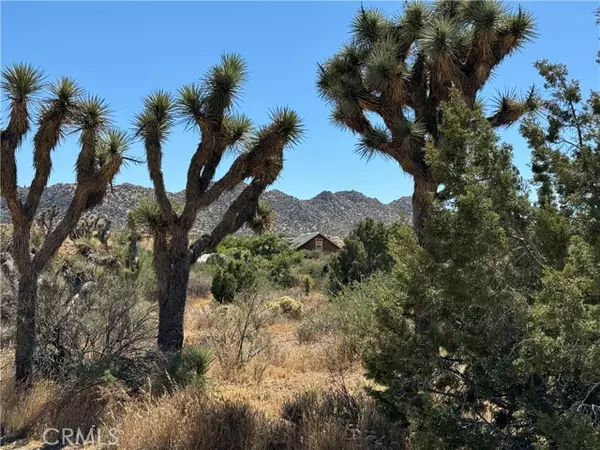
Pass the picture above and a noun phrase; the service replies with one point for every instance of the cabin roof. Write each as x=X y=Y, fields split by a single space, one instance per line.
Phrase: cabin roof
x=302 y=239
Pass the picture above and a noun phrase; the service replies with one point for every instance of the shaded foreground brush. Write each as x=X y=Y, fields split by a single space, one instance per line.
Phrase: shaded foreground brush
x=188 y=421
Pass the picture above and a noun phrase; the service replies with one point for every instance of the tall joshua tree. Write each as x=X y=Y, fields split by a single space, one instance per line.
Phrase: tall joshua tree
x=400 y=70
x=102 y=154
x=206 y=106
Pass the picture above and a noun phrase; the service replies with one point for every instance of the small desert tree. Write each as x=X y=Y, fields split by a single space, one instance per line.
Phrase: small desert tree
x=206 y=106
x=401 y=70
x=102 y=154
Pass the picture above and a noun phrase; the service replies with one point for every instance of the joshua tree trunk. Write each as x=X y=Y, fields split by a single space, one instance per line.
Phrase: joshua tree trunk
x=25 y=340
x=424 y=187
x=172 y=299
x=132 y=250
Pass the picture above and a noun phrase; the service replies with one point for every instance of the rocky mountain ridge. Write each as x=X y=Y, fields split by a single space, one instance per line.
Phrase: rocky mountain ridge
x=331 y=213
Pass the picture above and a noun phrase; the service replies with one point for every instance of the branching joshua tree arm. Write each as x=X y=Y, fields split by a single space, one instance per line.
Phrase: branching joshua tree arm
x=263 y=162
x=20 y=83
x=239 y=212
x=496 y=35
x=207 y=108
x=57 y=113
x=263 y=154
x=110 y=156
x=153 y=125
x=510 y=108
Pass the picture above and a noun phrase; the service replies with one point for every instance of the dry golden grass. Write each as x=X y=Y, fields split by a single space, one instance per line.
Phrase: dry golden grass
x=242 y=410
x=267 y=381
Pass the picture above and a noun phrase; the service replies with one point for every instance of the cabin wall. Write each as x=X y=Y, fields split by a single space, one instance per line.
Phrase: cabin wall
x=327 y=246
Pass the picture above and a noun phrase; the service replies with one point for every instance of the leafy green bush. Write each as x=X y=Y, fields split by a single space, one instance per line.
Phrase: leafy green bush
x=485 y=342
x=236 y=276
x=223 y=287
x=266 y=246
x=367 y=250
x=269 y=254
x=280 y=269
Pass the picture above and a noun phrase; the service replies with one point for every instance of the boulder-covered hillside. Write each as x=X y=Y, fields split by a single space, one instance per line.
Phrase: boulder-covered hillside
x=331 y=213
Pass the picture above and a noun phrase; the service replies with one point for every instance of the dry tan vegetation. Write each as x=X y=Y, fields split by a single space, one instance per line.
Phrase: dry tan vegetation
x=242 y=407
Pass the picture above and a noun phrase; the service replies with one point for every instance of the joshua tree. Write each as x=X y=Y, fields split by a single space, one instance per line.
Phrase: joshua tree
x=263 y=220
x=401 y=70
x=134 y=237
x=207 y=107
x=46 y=220
x=100 y=159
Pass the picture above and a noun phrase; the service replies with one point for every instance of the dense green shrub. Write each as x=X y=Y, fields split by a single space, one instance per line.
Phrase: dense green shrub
x=269 y=254
x=223 y=287
x=366 y=250
x=486 y=341
x=280 y=269
x=266 y=246
x=236 y=276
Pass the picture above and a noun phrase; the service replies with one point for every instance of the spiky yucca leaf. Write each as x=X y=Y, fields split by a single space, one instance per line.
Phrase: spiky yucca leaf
x=287 y=124
x=263 y=220
x=409 y=132
x=189 y=104
x=341 y=65
x=370 y=25
x=237 y=129
x=159 y=108
x=509 y=107
x=383 y=71
x=112 y=151
x=373 y=142
x=223 y=84
x=349 y=115
x=485 y=15
x=116 y=142
x=147 y=216
x=414 y=18
x=22 y=81
x=353 y=54
x=65 y=92
x=340 y=80
x=443 y=40
x=451 y=9
x=326 y=82
x=516 y=30
x=92 y=114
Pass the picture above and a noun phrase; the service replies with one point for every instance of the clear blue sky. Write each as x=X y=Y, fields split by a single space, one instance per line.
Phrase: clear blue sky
x=124 y=50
